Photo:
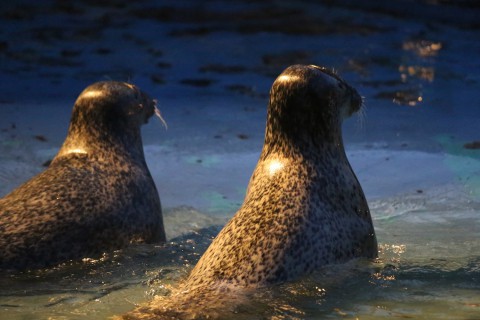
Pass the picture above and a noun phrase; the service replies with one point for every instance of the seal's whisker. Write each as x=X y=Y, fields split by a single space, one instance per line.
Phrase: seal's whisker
x=159 y=115
x=362 y=114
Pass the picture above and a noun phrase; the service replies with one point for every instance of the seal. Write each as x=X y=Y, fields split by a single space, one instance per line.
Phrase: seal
x=96 y=195
x=304 y=207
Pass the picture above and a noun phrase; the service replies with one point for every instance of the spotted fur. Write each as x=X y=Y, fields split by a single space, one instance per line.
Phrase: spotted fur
x=304 y=206
x=306 y=211
x=96 y=195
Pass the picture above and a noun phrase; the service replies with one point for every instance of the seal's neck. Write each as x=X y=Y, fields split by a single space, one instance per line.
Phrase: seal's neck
x=103 y=139
x=302 y=139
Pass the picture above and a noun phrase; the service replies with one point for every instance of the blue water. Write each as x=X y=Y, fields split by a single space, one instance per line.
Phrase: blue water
x=210 y=65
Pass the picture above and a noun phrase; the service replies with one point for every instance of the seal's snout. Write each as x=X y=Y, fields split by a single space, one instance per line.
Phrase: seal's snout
x=349 y=94
x=148 y=104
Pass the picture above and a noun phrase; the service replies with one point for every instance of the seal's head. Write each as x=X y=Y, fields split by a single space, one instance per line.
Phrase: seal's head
x=112 y=100
x=310 y=101
x=108 y=114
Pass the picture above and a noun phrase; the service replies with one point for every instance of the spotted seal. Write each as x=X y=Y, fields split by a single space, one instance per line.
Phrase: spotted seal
x=96 y=195
x=304 y=207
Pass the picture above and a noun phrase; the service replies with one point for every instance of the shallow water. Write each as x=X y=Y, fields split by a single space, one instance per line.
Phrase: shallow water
x=210 y=65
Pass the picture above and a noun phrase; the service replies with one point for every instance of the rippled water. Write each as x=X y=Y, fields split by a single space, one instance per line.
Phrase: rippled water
x=428 y=268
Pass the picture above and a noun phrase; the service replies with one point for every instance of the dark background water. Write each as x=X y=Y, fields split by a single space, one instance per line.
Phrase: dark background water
x=211 y=63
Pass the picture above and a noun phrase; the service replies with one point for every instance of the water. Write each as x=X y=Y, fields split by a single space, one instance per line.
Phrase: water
x=428 y=268
x=210 y=65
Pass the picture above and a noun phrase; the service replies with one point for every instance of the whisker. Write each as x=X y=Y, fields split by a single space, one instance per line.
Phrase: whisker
x=362 y=114
x=159 y=115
